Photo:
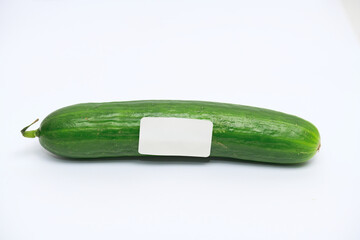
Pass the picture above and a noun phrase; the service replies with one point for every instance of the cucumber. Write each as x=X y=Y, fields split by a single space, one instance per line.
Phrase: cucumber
x=99 y=130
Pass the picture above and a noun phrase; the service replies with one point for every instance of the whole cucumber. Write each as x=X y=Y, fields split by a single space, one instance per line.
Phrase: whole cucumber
x=96 y=130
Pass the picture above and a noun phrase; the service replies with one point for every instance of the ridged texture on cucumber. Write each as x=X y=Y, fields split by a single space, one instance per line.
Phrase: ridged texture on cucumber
x=95 y=130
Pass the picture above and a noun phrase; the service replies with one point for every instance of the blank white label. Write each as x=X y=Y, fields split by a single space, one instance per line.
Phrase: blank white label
x=175 y=136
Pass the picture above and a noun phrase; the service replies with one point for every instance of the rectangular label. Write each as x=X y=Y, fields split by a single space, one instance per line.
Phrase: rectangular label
x=175 y=136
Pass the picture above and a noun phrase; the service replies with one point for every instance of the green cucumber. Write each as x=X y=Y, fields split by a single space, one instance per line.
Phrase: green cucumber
x=99 y=130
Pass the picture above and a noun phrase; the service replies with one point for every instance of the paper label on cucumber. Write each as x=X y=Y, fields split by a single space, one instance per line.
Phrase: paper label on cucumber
x=175 y=136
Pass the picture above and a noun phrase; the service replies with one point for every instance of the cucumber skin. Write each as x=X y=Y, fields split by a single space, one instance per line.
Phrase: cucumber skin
x=97 y=130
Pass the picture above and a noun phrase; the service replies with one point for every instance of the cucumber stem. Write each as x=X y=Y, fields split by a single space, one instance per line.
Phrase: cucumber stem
x=29 y=134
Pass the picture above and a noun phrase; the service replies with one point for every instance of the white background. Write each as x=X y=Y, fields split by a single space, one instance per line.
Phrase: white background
x=299 y=57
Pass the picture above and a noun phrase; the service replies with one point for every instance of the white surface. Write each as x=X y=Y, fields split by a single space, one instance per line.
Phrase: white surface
x=299 y=57
x=175 y=136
